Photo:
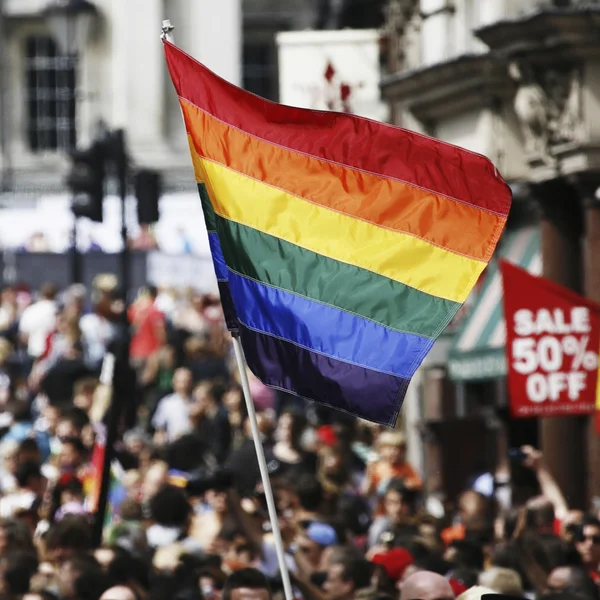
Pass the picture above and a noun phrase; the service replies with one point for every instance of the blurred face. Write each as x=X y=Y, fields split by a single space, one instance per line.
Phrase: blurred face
x=3 y=542
x=283 y=433
x=250 y=594
x=392 y=454
x=155 y=478
x=66 y=580
x=182 y=382
x=66 y=429
x=393 y=506
x=558 y=580
x=588 y=545
x=69 y=457
x=217 y=501
x=51 y=415
x=10 y=461
x=208 y=587
x=311 y=550
x=232 y=400
x=335 y=586
x=202 y=398
x=104 y=556
x=332 y=462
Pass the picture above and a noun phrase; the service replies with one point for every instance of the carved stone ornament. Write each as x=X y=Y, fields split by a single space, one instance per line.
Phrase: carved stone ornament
x=548 y=105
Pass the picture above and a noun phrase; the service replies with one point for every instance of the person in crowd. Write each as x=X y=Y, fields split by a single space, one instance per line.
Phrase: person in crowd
x=210 y=419
x=246 y=584
x=187 y=512
x=392 y=464
x=172 y=417
x=38 y=320
x=587 y=542
x=149 y=327
x=426 y=585
x=30 y=489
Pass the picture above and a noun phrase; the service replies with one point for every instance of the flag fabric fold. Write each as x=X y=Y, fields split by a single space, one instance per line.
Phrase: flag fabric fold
x=342 y=246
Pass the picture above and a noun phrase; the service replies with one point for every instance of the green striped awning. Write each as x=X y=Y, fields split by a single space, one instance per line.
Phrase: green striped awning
x=478 y=349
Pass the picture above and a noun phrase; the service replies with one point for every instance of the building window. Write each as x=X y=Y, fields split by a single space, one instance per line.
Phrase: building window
x=260 y=70
x=51 y=101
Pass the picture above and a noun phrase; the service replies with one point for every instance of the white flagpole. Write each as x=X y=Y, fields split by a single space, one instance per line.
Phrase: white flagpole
x=167 y=34
x=262 y=464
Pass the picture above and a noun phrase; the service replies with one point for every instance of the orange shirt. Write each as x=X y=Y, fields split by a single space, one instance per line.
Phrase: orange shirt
x=381 y=472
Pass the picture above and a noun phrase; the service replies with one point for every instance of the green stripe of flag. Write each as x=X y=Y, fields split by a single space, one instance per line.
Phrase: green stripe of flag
x=281 y=264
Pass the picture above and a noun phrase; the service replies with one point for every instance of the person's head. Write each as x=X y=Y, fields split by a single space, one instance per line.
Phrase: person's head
x=182 y=381
x=29 y=451
x=51 y=416
x=154 y=479
x=16 y=571
x=82 y=578
x=67 y=538
x=29 y=477
x=9 y=451
x=48 y=291
x=309 y=491
x=477 y=592
x=587 y=542
x=217 y=500
x=313 y=541
x=397 y=501
x=204 y=396
x=394 y=562
x=346 y=576
x=170 y=507
x=426 y=585
x=290 y=427
x=70 y=490
x=20 y=412
x=465 y=554
x=246 y=584
x=540 y=514
x=71 y=423
x=72 y=454
x=473 y=506
x=15 y=536
x=391 y=446
x=118 y=592
x=211 y=581
x=83 y=393
x=574 y=580
x=502 y=581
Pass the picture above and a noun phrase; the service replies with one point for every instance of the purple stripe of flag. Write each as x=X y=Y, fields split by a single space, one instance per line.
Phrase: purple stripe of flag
x=368 y=394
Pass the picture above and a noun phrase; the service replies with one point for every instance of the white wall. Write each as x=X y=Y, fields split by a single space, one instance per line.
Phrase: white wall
x=123 y=77
x=354 y=55
x=469 y=130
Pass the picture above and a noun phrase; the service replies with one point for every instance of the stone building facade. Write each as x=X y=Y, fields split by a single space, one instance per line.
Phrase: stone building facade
x=516 y=80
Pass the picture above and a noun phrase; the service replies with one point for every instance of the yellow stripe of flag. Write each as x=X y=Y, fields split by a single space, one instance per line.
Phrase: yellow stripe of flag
x=401 y=257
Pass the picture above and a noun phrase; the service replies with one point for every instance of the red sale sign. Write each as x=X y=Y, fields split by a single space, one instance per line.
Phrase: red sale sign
x=552 y=343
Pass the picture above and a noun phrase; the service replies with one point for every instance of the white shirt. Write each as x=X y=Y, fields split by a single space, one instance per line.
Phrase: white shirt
x=37 y=322
x=96 y=333
x=173 y=415
x=16 y=501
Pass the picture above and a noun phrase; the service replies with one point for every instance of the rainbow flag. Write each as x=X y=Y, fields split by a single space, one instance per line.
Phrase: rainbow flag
x=342 y=246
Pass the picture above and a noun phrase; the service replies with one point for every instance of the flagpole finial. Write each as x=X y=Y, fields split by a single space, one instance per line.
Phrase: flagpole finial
x=167 y=31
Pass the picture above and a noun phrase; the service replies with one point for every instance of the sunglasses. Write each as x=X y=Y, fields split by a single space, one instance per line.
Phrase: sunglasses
x=595 y=539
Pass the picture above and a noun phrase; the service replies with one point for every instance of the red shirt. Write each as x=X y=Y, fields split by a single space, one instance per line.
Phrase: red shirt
x=149 y=323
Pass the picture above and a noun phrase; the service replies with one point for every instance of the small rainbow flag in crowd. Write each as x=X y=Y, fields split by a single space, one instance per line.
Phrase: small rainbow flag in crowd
x=343 y=246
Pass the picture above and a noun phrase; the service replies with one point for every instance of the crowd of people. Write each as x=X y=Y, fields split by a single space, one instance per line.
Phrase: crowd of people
x=187 y=515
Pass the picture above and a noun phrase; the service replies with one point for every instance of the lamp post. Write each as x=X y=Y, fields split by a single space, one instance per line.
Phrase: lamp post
x=70 y=22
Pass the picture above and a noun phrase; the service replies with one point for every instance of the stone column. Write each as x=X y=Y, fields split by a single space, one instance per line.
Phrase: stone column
x=563 y=438
x=592 y=289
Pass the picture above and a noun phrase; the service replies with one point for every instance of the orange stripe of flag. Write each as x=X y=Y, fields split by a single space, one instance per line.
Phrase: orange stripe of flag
x=386 y=202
